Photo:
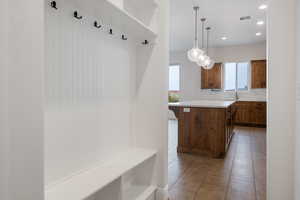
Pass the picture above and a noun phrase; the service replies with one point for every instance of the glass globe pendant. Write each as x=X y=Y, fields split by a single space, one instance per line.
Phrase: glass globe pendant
x=206 y=62
x=211 y=64
x=195 y=52
x=201 y=60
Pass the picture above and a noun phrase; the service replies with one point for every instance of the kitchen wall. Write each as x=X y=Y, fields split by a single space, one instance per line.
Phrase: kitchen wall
x=191 y=73
x=239 y=53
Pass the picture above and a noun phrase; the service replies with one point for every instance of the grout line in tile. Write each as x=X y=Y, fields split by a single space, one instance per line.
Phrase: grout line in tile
x=230 y=173
x=252 y=160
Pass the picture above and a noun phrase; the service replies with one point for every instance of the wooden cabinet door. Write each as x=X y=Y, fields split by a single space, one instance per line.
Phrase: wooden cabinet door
x=200 y=132
x=259 y=74
x=184 y=130
x=229 y=126
x=212 y=78
x=204 y=131
x=250 y=113
x=242 y=115
x=260 y=113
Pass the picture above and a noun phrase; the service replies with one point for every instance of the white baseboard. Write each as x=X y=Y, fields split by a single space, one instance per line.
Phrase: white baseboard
x=162 y=193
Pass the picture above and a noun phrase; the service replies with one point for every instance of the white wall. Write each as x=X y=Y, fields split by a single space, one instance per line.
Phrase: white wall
x=240 y=53
x=25 y=98
x=151 y=119
x=4 y=140
x=191 y=73
x=281 y=100
x=297 y=140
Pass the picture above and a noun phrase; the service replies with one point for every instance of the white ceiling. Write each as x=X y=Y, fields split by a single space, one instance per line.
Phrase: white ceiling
x=223 y=16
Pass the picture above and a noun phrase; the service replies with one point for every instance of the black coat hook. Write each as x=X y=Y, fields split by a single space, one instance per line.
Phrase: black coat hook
x=110 y=31
x=145 y=42
x=76 y=15
x=53 y=4
x=96 y=25
x=124 y=38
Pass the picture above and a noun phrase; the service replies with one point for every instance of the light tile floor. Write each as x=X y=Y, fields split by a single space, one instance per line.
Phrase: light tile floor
x=240 y=176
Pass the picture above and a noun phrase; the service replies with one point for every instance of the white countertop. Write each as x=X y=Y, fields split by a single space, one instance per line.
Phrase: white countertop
x=204 y=104
x=253 y=99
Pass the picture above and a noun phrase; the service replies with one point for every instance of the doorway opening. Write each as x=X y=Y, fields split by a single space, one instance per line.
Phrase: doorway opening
x=218 y=116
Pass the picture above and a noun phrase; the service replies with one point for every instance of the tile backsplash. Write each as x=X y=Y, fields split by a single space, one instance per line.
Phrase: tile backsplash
x=250 y=95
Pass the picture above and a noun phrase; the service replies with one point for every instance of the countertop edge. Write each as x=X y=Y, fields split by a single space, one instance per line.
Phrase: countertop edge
x=201 y=106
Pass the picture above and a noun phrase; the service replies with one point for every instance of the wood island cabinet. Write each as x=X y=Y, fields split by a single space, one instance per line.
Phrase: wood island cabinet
x=205 y=131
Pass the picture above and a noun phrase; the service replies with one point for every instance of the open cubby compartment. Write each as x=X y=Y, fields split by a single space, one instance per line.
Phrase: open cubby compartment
x=135 y=184
x=134 y=167
x=110 y=192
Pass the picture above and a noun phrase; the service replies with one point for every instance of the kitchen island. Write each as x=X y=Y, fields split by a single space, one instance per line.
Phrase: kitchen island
x=204 y=127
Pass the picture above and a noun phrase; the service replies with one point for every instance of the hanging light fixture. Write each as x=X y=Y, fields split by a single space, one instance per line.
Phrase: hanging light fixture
x=208 y=63
x=195 y=52
x=202 y=57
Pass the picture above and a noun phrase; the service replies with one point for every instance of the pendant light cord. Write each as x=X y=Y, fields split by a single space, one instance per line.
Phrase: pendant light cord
x=207 y=42
x=196 y=8
x=203 y=34
x=202 y=21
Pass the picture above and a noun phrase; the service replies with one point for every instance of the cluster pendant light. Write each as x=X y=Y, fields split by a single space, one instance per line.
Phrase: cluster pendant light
x=196 y=54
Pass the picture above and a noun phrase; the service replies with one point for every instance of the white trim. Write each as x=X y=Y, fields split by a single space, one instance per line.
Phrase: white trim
x=162 y=193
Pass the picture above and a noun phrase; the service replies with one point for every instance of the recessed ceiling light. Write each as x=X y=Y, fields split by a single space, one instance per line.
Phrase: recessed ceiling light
x=224 y=38
x=263 y=7
x=258 y=34
x=259 y=23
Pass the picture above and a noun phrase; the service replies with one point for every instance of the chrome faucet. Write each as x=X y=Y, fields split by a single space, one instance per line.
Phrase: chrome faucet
x=236 y=96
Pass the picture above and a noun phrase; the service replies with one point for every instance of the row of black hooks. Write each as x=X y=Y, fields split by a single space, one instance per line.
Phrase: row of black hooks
x=97 y=25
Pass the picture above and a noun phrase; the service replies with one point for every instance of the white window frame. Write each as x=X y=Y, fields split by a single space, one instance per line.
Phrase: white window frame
x=236 y=64
x=170 y=65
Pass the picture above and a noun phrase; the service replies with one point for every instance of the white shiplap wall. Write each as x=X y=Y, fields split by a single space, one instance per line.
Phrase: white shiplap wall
x=90 y=84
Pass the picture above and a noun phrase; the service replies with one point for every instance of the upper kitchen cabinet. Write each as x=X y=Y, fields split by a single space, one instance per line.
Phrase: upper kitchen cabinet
x=212 y=78
x=259 y=74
